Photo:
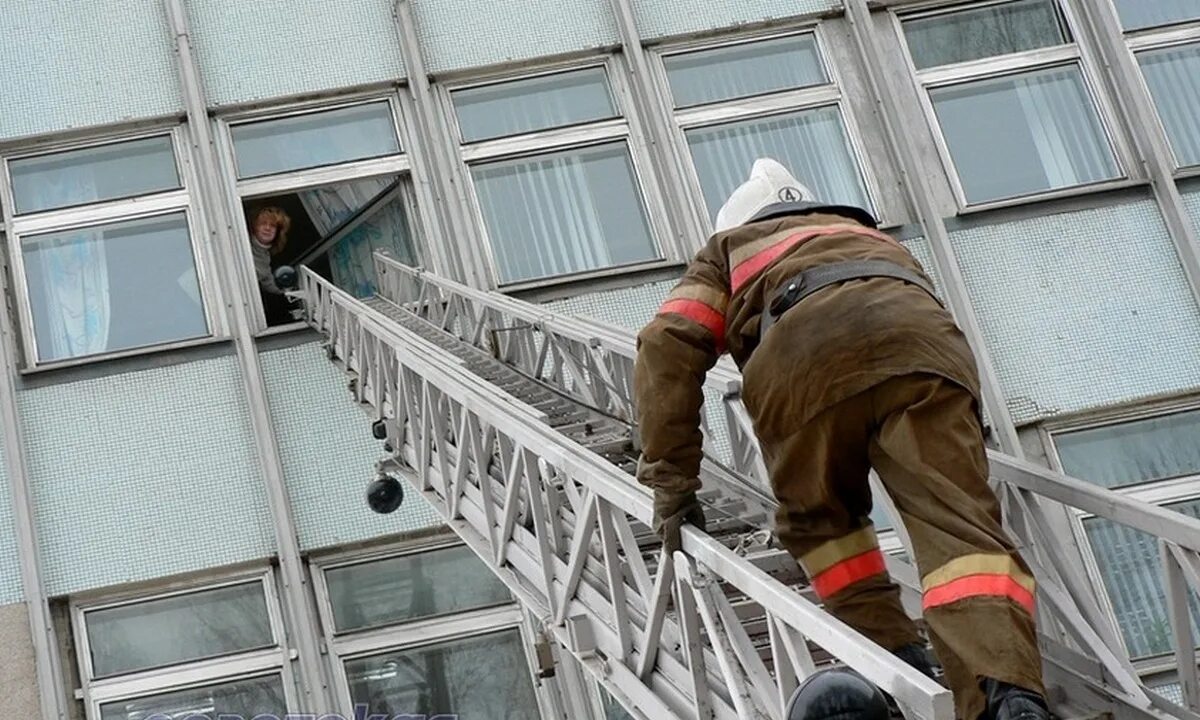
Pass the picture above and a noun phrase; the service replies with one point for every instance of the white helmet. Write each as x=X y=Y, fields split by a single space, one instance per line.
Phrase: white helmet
x=770 y=184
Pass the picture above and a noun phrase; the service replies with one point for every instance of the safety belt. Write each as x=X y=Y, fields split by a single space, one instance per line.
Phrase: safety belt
x=822 y=276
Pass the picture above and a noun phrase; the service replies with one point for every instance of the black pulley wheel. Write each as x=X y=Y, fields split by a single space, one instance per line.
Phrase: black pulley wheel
x=837 y=694
x=286 y=277
x=385 y=494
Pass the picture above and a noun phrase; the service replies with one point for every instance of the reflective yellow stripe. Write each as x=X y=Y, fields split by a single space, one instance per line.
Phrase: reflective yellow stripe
x=712 y=297
x=840 y=550
x=980 y=564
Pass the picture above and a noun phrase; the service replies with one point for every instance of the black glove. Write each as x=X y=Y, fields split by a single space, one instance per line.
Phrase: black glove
x=671 y=512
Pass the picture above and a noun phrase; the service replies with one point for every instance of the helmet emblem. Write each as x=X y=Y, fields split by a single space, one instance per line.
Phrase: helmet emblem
x=789 y=194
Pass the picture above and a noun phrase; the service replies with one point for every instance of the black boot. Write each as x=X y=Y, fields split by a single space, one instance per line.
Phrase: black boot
x=1009 y=702
x=916 y=656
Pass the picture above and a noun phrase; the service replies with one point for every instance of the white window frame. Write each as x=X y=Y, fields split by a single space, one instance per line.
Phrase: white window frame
x=240 y=190
x=756 y=107
x=1159 y=38
x=1158 y=492
x=423 y=632
x=623 y=128
x=1075 y=53
x=275 y=660
x=182 y=200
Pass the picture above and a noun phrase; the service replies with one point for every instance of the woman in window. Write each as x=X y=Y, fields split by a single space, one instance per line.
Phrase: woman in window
x=268 y=236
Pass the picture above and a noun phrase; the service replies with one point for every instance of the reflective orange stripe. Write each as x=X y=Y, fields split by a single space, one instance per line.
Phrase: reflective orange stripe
x=979 y=575
x=844 y=574
x=975 y=586
x=748 y=268
x=699 y=313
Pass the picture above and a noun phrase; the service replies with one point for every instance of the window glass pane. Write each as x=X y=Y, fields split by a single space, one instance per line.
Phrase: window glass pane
x=812 y=144
x=481 y=677
x=113 y=287
x=177 y=629
x=1173 y=75
x=334 y=230
x=612 y=708
x=1172 y=691
x=538 y=103
x=984 y=32
x=241 y=699
x=411 y=587
x=1132 y=573
x=743 y=70
x=106 y=172
x=1023 y=134
x=1137 y=14
x=564 y=212
x=313 y=140
x=1134 y=452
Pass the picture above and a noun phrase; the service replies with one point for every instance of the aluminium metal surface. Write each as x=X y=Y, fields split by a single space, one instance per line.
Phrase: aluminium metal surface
x=514 y=423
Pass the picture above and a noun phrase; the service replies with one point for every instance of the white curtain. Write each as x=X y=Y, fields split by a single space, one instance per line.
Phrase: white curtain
x=1173 y=75
x=812 y=144
x=72 y=270
x=542 y=217
x=1068 y=142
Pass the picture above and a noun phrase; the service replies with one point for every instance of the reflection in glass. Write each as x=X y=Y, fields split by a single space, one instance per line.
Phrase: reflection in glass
x=743 y=70
x=563 y=212
x=1135 y=452
x=480 y=677
x=178 y=629
x=113 y=287
x=1173 y=76
x=537 y=103
x=410 y=587
x=94 y=174
x=267 y=147
x=812 y=144
x=1130 y=566
x=1022 y=134
x=1139 y=14
x=984 y=32
x=241 y=699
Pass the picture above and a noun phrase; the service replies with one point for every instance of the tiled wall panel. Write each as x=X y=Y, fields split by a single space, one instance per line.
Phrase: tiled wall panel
x=660 y=18
x=10 y=573
x=270 y=48
x=144 y=474
x=459 y=34
x=69 y=64
x=328 y=453
x=1082 y=309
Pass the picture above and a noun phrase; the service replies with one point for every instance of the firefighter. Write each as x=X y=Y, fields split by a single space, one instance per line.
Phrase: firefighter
x=849 y=362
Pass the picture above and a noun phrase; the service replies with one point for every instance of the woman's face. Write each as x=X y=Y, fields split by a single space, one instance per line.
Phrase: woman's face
x=264 y=231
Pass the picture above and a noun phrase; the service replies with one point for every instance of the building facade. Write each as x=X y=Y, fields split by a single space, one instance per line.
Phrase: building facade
x=182 y=521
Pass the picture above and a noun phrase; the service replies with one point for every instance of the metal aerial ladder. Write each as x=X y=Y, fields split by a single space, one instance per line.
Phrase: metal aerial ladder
x=516 y=424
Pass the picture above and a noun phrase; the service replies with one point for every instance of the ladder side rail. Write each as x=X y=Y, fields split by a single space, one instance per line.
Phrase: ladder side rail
x=1181 y=571
x=448 y=389
x=1022 y=477
x=1160 y=522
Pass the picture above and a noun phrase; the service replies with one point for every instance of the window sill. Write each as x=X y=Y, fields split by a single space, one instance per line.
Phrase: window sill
x=284 y=329
x=1050 y=196
x=124 y=354
x=1189 y=172
x=614 y=278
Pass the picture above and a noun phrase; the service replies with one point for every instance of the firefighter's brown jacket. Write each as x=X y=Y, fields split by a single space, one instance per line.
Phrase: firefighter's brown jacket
x=836 y=343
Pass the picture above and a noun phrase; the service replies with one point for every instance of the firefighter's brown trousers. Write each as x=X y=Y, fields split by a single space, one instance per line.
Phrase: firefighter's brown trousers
x=922 y=435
